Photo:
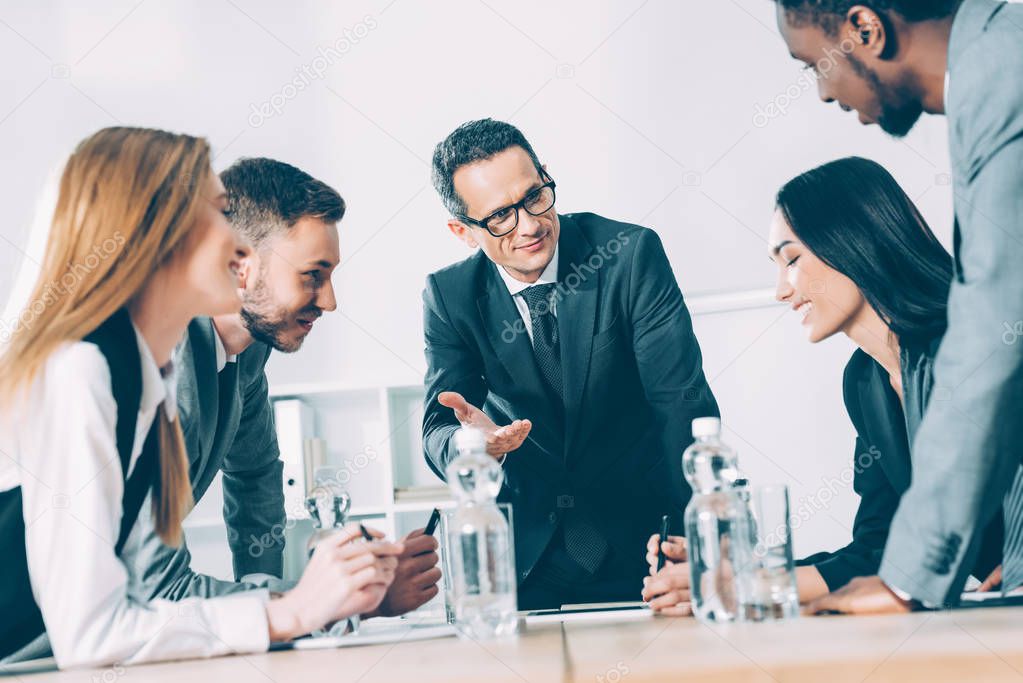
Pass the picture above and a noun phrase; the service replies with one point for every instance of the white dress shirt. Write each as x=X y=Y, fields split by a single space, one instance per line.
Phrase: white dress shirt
x=62 y=450
x=515 y=287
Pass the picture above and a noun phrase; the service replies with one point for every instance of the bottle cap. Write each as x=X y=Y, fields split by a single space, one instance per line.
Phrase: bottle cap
x=706 y=426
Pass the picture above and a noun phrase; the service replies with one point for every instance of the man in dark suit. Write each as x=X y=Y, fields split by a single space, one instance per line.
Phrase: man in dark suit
x=892 y=60
x=566 y=339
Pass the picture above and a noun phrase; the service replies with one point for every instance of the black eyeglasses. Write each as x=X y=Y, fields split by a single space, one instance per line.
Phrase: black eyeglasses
x=535 y=203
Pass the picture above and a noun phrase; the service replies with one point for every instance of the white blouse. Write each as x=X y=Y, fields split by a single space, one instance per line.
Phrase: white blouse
x=60 y=446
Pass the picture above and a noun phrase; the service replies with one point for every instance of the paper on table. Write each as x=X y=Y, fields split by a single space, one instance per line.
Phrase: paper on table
x=1015 y=596
x=608 y=611
x=398 y=634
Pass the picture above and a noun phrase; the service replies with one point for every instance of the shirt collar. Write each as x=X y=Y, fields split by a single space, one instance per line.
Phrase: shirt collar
x=159 y=385
x=222 y=357
x=548 y=276
x=948 y=79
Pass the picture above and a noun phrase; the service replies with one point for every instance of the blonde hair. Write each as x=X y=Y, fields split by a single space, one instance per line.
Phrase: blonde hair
x=128 y=200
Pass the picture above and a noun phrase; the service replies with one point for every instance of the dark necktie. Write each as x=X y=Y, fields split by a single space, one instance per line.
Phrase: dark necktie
x=1012 y=550
x=546 y=346
x=584 y=544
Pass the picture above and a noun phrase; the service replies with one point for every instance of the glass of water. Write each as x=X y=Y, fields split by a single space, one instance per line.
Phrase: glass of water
x=767 y=577
x=478 y=572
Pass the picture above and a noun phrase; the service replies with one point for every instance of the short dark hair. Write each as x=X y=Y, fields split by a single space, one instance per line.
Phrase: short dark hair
x=472 y=141
x=853 y=215
x=829 y=14
x=267 y=196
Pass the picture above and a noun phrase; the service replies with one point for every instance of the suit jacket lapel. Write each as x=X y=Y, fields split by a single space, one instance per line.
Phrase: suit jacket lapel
x=885 y=423
x=507 y=335
x=512 y=346
x=577 y=311
x=204 y=362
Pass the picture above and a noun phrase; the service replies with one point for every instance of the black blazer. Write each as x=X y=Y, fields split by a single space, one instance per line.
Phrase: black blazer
x=882 y=467
x=633 y=381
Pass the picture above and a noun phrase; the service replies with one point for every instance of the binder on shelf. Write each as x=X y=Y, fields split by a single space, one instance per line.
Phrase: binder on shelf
x=293 y=420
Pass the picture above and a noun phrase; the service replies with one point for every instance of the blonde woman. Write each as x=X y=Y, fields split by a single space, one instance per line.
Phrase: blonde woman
x=140 y=245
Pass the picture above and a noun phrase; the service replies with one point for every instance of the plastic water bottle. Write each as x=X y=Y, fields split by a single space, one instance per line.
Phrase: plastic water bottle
x=482 y=558
x=716 y=522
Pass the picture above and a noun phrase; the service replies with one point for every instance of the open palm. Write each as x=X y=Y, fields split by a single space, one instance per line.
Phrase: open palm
x=500 y=440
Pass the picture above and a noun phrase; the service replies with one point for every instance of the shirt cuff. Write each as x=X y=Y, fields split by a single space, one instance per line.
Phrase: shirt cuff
x=269 y=581
x=906 y=597
x=241 y=621
x=502 y=458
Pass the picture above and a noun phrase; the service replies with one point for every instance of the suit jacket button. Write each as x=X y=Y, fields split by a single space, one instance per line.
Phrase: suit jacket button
x=553 y=517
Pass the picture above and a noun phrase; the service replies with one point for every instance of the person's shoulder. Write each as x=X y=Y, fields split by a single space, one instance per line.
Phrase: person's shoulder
x=984 y=111
x=462 y=276
x=596 y=226
x=75 y=374
x=987 y=63
x=617 y=242
x=80 y=362
x=1005 y=23
x=857 y=370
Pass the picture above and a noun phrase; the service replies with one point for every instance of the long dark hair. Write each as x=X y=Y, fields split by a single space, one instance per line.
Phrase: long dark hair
x=854 y=216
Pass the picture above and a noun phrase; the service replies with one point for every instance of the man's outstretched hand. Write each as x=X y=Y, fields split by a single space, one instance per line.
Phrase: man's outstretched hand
x=862 y=595
x=500 y=440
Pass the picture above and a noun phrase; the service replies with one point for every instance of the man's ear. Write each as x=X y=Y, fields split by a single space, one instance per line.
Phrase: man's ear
x=462 y=232
x=248 y=268
x=866 y=30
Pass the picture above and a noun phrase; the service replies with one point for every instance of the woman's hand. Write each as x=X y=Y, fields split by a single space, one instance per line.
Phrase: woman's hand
x=674 y=551
x=345 y=576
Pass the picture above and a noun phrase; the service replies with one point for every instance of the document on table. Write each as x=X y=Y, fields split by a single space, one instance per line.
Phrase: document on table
x=604 y=611
x=991 y=599
x=398 y=633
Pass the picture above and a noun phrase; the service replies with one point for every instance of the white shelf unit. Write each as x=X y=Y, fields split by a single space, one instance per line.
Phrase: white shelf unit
x=374 y=436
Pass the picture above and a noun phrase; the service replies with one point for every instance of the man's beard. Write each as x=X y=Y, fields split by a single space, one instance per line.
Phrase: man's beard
x=899 y=110
x=265 y=322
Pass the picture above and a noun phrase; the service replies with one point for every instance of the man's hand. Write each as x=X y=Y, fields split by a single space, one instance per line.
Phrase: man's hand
x=862 y=595
x=345 y=576
x=500 y=440
x=415 y=579
x=667 y=591
x=993 y=582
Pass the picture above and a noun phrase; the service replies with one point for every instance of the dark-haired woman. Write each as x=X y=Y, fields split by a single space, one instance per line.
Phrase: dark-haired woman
x=855 y=257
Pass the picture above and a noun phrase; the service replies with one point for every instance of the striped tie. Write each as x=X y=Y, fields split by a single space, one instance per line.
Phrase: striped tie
x=546 y=343
x=584 y=544
x=1012 y=550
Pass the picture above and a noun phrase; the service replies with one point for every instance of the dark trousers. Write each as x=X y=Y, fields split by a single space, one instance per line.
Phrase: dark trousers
x=558 y=580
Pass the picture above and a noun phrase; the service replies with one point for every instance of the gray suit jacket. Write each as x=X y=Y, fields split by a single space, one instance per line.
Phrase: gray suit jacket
x=228 y=426
x=970 y=442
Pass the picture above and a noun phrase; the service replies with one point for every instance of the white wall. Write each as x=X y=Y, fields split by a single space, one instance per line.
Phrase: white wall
x=643 y=110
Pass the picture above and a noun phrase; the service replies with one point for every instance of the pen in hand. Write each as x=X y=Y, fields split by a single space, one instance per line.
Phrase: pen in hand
x=431 y=526
x=365 y=533
x=660 y=546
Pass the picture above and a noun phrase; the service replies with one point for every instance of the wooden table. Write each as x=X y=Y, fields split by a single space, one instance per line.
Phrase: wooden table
x=971 y=645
